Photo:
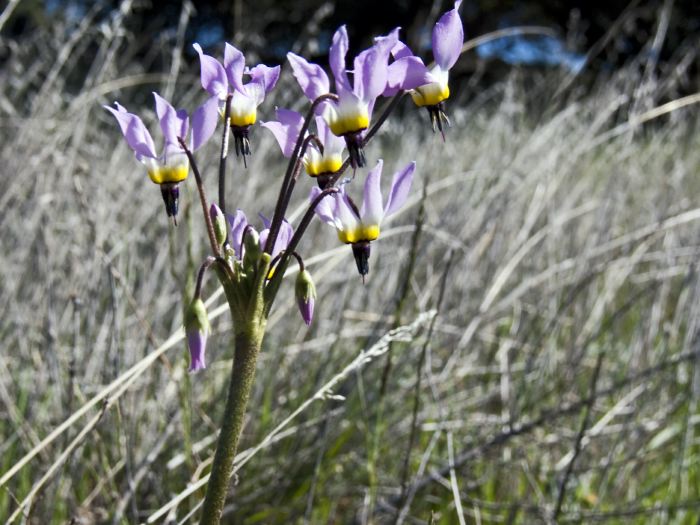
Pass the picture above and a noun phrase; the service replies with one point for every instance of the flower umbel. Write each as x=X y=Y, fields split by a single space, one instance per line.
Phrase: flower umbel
x=359 y=227
x=226 y=80
x=172 y=166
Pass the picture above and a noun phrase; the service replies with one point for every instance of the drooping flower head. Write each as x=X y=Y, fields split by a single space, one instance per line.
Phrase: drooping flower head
x=359 y=227
x=227 y=79
x=171 y=166
x=351 y=114
x=320 y=163
x=447 y=41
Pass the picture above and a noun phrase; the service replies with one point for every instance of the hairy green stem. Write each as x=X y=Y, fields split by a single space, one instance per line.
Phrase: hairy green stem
x=249 y=323
x=247 y=346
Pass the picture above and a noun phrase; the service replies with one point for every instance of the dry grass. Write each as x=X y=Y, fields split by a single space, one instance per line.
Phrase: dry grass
x=557 y=382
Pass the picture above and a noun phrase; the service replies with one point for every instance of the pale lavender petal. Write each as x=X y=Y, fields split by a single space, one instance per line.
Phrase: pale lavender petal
x=212 y=74
x=204 y=121
x=197 y=343
x=448 y=38
x=263 y=237
x=285 y=235
x=336 y=58
x=406 y=73
x=371 y=67
x=400 y=186
x=172 y=122
x=306 y=309
x=344 y=214
x=238 y=223
x=266 y=222
x=311 y=77
x=137 y=136
x=285 y=129
x=401 y=50
x=254 y=91
x=372 y=210
x=324 y=209
x=266 y=76
x=234 y=64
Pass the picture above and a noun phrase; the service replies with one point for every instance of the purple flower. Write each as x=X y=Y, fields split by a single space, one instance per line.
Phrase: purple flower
x=351 y=114
x=319 y=164
x=239 y=224
x=447 y=41
x=196 y=329
x=171 y=166
x=359 y=227
x=227 y=79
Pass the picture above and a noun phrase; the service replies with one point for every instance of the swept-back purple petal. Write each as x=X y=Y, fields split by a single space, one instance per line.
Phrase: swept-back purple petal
x=406 y=73
x=172 y=122
x=137 y=136
x=283 y=237
x=286 y=129
x=324 y=209
x=238 y=223
x=311 y=77
x=448 y=38
x=234 y=64
x=204 y=121
x=401 y=50
x=336 y=58
x=344 y=214
x=266 y=76
x=372 y=210
x=212 y=74
x=371 y=67
x=400 y=186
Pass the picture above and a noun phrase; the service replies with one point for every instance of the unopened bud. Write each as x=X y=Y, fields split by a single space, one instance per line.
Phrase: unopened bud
x=305 y=291
x=219 y=222
x=197 y=329
x=251 y=245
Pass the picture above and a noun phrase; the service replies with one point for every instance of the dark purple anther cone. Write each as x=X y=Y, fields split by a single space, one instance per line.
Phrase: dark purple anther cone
x=171 y=197
x=241 y=141
x=361 y=252
x=357 y=154
x=438 y=117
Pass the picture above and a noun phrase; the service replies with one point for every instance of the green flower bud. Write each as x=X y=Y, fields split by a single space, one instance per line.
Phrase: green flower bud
x=305 y=291
x=197 y=329
x=219 y=222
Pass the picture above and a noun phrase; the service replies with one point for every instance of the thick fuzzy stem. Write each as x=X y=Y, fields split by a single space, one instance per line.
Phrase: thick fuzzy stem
x=246 y=349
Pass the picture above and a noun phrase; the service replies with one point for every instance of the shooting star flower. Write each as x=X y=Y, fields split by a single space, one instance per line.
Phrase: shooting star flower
x=320 y=163
x=169 y=168
x=350 y=116
x=359 y=227
x=447 y=41
x=227 y=79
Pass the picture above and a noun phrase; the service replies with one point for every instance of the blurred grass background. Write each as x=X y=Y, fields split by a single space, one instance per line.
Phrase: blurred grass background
x=546 y=267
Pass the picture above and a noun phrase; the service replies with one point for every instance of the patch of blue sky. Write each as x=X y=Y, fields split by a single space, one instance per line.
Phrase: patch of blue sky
x=542 y=50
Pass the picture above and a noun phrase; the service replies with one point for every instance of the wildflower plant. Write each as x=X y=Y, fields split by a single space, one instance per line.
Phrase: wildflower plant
x=251 y=264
